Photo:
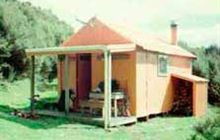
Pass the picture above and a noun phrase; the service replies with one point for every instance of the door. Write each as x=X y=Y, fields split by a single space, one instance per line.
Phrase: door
x=83 y=76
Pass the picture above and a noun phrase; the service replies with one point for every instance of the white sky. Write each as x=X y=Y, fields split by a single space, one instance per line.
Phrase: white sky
x=199 y=20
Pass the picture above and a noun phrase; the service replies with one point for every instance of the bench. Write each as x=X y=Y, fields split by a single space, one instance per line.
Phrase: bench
x=96 y=101
x=92 y=104
x=115 y=96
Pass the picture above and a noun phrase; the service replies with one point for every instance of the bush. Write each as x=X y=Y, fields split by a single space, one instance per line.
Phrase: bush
x=208 y=130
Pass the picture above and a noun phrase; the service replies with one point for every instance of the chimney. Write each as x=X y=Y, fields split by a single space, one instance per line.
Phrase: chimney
x=173 y=29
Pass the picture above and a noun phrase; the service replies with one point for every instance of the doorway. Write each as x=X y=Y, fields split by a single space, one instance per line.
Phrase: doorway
x=83 y=76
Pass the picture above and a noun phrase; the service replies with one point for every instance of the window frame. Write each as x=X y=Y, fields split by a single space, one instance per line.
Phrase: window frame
x=159 y=65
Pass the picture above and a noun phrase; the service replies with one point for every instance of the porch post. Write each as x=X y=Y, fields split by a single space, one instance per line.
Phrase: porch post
x=32 y=84
x=107 y=81
x=66 y=83
x=109 y=85
x=106 y=90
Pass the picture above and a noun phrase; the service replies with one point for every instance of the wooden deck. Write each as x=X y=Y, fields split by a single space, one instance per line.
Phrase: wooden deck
x=115 y=121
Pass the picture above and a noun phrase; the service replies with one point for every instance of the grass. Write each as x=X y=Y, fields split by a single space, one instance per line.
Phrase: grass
x=48 y=128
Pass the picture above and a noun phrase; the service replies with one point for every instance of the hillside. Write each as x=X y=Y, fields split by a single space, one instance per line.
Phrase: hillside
x=25 y=26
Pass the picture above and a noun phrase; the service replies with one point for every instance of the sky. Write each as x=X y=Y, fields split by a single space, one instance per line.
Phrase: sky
x=198 y=20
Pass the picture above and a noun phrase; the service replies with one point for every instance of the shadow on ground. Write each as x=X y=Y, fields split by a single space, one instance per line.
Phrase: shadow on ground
x=43 y=122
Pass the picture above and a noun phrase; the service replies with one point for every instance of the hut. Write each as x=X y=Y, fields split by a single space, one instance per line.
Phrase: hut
x=125 y=74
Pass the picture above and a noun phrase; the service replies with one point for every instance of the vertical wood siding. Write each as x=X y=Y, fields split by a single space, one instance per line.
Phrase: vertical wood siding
x=157 y=89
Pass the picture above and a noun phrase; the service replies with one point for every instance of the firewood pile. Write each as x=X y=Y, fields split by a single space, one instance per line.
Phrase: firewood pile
x=182 y=104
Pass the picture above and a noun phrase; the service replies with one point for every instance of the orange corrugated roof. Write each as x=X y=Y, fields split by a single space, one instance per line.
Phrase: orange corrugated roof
x=128 y=35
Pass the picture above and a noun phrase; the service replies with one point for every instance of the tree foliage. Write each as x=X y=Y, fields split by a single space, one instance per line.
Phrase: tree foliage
x=207 y=65
x=208 y=130
x=24 y=26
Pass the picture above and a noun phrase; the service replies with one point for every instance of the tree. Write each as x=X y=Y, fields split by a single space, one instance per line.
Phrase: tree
x=24 y=26
x=207 y=65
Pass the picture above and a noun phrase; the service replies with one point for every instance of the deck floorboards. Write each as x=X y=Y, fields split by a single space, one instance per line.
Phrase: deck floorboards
x=86 y=119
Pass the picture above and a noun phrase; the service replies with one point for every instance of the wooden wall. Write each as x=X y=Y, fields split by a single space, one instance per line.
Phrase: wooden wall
x=148 y=93
x=72 y=73
x=154 y=92
x=180 y=64
x=123 y=70
x=200 y=98
x=141 y=84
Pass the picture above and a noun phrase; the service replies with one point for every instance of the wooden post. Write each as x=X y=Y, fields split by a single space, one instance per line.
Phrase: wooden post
x=115 y=108
x=66 y=83
x=106 y=90
x=32 y=84
x=59 y=67
x=109 y=85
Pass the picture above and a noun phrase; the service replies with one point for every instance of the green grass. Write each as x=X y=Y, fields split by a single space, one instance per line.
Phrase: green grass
x=48 y=128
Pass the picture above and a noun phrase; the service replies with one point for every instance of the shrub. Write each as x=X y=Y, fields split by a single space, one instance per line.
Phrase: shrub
x=208 y=130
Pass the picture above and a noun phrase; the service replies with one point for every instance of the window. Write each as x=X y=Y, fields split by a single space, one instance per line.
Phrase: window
x=162 y=65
